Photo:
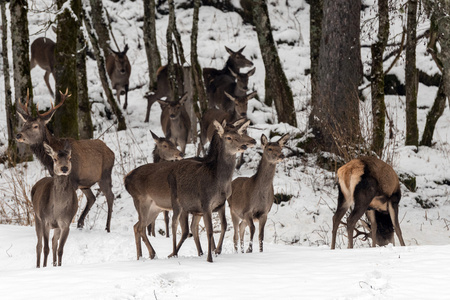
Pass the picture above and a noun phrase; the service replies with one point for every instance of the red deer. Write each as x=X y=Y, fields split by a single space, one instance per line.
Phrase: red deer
x=235 y=62
x=236 y=86
x=164 y=150
x=119 y=70
x=252 y=197
x=55 y=204
x=370 y=184
x=175 y=121
x=43 y=55
x=149 y=186
x=92 y=160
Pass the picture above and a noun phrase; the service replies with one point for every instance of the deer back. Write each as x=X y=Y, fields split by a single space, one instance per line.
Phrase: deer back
x=43 y=54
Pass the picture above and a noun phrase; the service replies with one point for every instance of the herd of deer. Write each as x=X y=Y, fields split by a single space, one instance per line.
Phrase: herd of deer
x=196 y=186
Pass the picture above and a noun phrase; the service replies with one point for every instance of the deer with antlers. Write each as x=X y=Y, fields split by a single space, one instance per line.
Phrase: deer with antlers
x=92 y=160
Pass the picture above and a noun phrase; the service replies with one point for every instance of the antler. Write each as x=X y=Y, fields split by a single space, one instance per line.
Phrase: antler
x=25 y=107
x=359 y=232
x=51 y=110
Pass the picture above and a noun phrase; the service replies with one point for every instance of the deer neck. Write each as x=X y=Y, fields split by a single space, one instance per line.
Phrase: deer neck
x=230 y=64
x=219 y=161
x=62 y=184
x=39 y=150
x=156 y=156
x=265 y=173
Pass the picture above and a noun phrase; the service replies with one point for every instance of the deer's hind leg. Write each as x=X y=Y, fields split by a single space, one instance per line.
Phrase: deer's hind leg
x=105 y=185
x=90 y=200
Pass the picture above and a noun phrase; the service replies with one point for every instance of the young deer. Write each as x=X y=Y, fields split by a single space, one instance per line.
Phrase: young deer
x=43 y=55
x=55 y=204
x=92 y=160
x=119 y=70
x=371 y=185
x=149 y=186
x=252 y=197
x=175 y=121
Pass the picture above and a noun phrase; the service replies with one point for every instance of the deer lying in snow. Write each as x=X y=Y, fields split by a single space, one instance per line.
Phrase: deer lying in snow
x=55 y=204
x=252 y=197
x=372 y=186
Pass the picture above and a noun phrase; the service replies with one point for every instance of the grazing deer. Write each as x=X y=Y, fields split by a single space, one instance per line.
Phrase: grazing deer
x=164 y=150
x=371 y=185
x=92 y=160
x=149 y=186
x=119 y=70
x=226 y=86
x=252 y=197
x=175 y=121
x=235 y=62
x=43 y=55
x=55 y=204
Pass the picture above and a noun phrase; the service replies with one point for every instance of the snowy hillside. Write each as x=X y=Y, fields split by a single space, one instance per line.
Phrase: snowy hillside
x=296 y=262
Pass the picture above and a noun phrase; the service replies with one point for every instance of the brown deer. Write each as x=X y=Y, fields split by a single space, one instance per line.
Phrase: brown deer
x=252 y=197
x=92 y=160
x=370 y=185
x=164 y=150
x=149 y=186
x=43 y=55
x=55 y=204
x=119 y=70
x=175 y=121
x=235 y=62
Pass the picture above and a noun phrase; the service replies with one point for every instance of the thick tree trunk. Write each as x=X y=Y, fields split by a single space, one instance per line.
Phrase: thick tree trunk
x=433 y=115
x=411 y=79
x=66 y=117
x=173 y=82
x=21 y=67
x=315 y=33
x=335 y=114
x=377 y=79
x=277 y=87
x=100 y=25
x=151 y=45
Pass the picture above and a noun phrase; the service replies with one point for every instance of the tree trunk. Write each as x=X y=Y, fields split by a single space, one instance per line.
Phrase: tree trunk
x=151 y=45
x=84 y=107
x=315 y=33
x=411 y=79
x=100 y=26
x=172 y=70
x=66 y=117
x=21 y=67
x=377 y=79
x=433 y=115
x=277 y=87
x=335 y=114
x=103 y=76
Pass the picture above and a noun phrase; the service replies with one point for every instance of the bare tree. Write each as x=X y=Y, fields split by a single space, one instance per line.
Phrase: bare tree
x=151 y=45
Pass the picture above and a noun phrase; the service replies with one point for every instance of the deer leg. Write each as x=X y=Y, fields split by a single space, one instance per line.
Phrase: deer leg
x=242 y=226
x=105 y=185
x=337 y=217
x=62 y=241
x=223 y=228
x=46 y=232
x=150 y=217
x=166 y=221
x=262 y=224
x=137 y=238
x=184 y=223
x=151 y=229
x=56 y=235
x=125 y=104
x=46 y=79
x=251 y=225
x=393 y=213
x=90 y=201
x=194 y=230
x=150 y=100
x=207 y=218
x=373 y=226
x=235 y=219
x=175 y=220
x=39 y=234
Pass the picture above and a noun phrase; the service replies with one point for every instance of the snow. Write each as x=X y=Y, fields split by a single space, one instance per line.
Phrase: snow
x=296 y=262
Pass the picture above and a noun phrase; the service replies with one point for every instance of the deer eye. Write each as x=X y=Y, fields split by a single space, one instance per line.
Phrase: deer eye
x=228 y=138
x=36 y=126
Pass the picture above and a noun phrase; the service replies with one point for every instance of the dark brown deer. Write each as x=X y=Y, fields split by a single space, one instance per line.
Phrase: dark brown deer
x=252 y=197
x=164 y=150
x=92 y=160
x=175 y=121
x=235 y=62
x=369 y=184
x=119 y=70
x=55 y=204
x=236 y=86
x=43 y=55
x=149 y=187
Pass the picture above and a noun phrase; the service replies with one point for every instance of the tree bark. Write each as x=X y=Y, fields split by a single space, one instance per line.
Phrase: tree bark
x=21 y=67
x=315 y=33
x=335 y=114
x=66 y=117
x=433 y=115
x=100 y=26
x=377 y=79
x=411 y=79
x=150 y=42
x=277 y=87
x=172 y=70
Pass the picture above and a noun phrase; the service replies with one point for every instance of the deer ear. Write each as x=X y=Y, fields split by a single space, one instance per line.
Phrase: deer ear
x=23 y=117
x=244 y=127
x=251 y=95
x=264 y=140
x=232 y=73
x=229 y=50
x=48 y=149
x=48 y=117
x=283 y=140
x=125 y=49
x=155 y=137
x=230 y=97
x=67 y=147
x=240 y=50
x=220 y=128
x=162 y=103
x=251 y=72
x=183 y=99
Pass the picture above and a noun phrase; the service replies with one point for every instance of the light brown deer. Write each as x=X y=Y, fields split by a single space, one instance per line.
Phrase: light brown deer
x=370 y=185
x=43 y=55
x=252 y=197
x=175 y=121
x=119 y=71
x=55 y=204
x=92 y=160
x=149 y=186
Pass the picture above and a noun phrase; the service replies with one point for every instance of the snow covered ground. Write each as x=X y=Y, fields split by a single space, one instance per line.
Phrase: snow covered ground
x=296 y=262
